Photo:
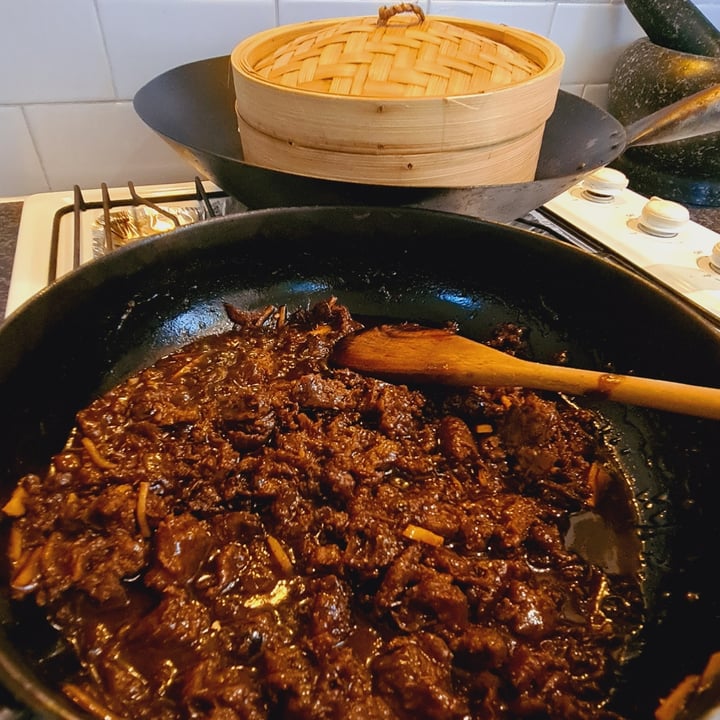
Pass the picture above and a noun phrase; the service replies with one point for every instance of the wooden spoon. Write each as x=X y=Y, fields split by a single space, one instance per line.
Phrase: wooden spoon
x=410 y=353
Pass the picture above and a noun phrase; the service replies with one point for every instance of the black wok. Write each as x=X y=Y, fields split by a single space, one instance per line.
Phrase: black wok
x=113 y=315
x=192 y=107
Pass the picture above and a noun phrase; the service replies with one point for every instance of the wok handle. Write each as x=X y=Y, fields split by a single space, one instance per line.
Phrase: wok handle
x=694 y=115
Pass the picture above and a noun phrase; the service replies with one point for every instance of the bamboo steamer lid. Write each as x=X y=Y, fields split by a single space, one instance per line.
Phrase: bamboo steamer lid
x=402 y=86
x=393 y=56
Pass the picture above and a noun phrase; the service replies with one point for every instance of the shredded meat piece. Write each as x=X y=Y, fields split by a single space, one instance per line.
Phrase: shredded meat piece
x=242 y=531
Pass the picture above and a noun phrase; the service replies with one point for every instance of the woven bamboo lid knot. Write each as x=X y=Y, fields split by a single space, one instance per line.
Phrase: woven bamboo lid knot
x=392 y=55
x=386 y=12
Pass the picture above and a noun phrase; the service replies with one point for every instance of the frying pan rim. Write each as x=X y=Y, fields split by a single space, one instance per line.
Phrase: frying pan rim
x=112 y=260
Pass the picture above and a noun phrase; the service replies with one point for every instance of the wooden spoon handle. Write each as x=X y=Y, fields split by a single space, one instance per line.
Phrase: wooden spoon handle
x=659 y=394
x=429 y=355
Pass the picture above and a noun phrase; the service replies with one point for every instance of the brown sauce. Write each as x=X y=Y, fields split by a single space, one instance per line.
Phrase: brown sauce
x=243 y=532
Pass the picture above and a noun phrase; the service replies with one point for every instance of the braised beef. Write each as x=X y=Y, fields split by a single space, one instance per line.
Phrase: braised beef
x=243 y=532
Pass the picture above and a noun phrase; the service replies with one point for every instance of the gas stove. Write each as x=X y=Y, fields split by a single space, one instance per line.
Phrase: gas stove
x=653 y=237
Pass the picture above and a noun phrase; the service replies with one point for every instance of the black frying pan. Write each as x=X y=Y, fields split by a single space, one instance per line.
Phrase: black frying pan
x=193 y=108
x=113 y=315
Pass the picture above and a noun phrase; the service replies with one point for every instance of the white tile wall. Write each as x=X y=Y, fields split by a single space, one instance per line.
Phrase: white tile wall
x=71 y=69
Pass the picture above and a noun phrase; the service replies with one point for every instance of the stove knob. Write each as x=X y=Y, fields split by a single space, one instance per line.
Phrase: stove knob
x=715 y=257
x=604 y=185
x=663 y=218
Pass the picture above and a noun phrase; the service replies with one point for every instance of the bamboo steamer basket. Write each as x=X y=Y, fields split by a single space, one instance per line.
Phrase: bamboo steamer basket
x=398 y=99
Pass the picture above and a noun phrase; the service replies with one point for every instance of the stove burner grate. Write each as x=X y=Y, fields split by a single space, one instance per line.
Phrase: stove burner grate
x=107 y=204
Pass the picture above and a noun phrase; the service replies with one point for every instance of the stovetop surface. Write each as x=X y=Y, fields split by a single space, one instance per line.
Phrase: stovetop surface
x=9 y=225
